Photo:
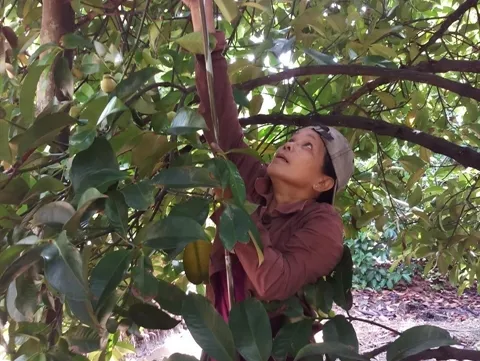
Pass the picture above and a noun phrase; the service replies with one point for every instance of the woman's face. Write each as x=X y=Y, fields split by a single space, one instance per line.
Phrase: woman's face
x=299 y=162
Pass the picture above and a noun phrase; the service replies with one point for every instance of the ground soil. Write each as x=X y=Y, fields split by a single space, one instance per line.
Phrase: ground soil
x=422 y=302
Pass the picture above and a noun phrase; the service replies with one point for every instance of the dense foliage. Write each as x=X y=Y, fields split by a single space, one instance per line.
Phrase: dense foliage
x=105 y=190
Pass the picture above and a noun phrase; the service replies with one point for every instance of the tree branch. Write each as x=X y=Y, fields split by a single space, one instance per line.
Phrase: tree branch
x=464 y=155
x=451 y=18
x=465 y=90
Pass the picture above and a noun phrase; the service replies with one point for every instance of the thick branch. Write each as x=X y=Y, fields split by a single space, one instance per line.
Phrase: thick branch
x=465 y=156
x=465 y=90
x=451 y=18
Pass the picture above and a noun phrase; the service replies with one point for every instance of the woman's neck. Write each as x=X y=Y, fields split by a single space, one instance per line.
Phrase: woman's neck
x=287 y=194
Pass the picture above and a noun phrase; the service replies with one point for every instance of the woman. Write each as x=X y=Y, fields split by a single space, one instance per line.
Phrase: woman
x=301 y=232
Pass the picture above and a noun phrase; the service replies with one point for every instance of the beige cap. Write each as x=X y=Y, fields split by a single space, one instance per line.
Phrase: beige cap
x=340 y=153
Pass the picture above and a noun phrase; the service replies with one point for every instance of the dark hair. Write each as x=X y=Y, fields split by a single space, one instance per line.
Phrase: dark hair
x=328 y=170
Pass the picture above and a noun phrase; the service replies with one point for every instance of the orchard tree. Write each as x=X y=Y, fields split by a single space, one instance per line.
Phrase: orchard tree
x=106 y=183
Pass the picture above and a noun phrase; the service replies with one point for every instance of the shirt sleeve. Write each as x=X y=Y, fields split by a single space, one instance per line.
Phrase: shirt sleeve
x=313 y=251
x=230 y=132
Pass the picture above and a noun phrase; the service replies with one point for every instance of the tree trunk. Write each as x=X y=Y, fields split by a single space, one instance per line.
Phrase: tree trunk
x=58 y=19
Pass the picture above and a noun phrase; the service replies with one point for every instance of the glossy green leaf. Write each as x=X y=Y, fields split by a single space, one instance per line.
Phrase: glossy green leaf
x=418 y=339
x=229 y=176
x=187 y=121
x=342 y=281
x=73 y=41
x=185 y=177
x=320 y=295
x=291 y=339
x=235 y=225
x=339 y=330
x=151 y=317
x=83 y=339
x=208 y=328
x=126 y=88
x=228 y=8
x=27 y=296
x=29 y=89
x=81 y=140
x=139 y=195
x=46 y=184
x=19 y=266
x=251 y=330
x=5 y=153
x=63 y=78
x=107 y=275
x=195 y=208
x=14 y=192
x=87 y=200
x=411 y=163
x=193 y=42
x=42 y=131
x=64 y=269
x=170 y=297
x=7 y=256
x=116 y=211
x=54 y=214
x=174 y=233
x=95 y=167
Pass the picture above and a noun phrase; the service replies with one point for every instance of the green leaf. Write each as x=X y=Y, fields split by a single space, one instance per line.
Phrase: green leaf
x=327 y=348
x=208 y=328
x=27 y=296
x=107 y=275
x=83 y=339
x=320 y=58
x=115 y=105
x=144 y=282
x=73 y=41
x=45 y=184
x=14 y=192
x=342 y=280
x=193 y=42
x=170 y=297
x=411 y=163
x=291 y=339
x=129 y=86
x=139 y=195
x=83 y=310
x=28 y=90
x=54 y=214
x=418 y=339
x=81 y=140
x=228 y=8
x=240 y=98
x=86 y=200
x=41 y=49
x=116 y=211
x=187 y=121
x=174 y=233
x=64 y=268
x=339 y=330
x=235 y=225
x=5 y=153
x=320 y=295
x=63 y=78
x=185 y=177
x=415 y=197
x=251 y=330
x=151 y=317
x=195 y=208
x=228 y=175
x=10 y=299
x=95 y=167
x=42 y=131
x=181 y=357
x=19 y=266
x=7 y=256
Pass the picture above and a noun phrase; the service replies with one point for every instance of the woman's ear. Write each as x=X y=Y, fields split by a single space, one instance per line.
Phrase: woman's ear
x=324 y=184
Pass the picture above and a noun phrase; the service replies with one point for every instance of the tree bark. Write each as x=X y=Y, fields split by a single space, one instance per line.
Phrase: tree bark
x=58 y=19
x=464 y=155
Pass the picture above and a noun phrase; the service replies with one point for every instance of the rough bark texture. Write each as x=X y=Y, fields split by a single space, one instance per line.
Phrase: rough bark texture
x=58 y=18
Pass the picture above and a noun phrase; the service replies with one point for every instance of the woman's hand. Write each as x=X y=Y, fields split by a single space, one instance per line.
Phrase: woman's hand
x=194 y=6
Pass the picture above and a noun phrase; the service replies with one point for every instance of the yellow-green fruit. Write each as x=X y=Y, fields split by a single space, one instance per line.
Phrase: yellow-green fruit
x=108 y=84
x=171 y=115
x=74 y=111
x=196 y=259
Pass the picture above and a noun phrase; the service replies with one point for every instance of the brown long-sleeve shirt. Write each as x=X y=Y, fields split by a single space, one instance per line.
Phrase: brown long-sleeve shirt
x=301 y=241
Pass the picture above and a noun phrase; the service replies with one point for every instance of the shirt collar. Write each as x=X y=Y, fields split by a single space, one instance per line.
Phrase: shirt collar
x=263 y=186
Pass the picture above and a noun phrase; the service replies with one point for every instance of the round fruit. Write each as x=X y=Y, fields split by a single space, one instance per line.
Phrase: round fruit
x=108 y=84
x=74 y=111
x=196 y=259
